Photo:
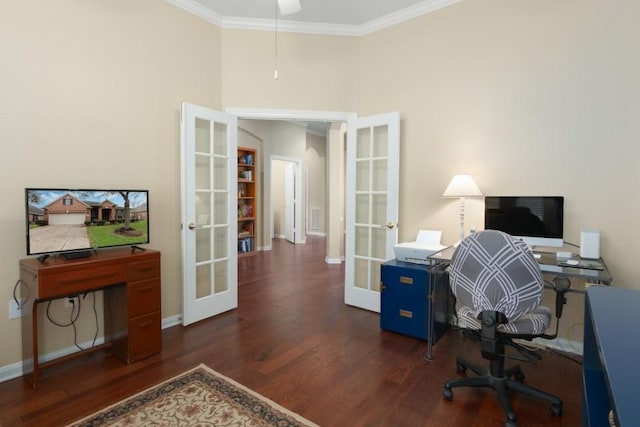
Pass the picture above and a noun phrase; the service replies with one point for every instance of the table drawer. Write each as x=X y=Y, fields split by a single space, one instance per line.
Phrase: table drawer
x=80 y=280
x=143 y=270
x=144 y=297
x=145 y=336
x=405 y=315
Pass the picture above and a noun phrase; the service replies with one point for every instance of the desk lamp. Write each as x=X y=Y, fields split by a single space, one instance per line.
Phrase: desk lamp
x=462 y=186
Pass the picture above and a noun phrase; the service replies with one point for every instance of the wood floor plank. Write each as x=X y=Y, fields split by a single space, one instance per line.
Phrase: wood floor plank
x=294 y=340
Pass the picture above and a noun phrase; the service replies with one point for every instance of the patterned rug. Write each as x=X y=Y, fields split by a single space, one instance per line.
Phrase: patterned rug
x=199 y=397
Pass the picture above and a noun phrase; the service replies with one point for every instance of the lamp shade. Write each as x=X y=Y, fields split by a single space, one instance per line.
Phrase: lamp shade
x=462 y=186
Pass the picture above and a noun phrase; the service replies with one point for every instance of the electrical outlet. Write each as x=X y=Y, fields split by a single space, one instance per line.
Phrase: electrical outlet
x=15 y=311
x=70 y=302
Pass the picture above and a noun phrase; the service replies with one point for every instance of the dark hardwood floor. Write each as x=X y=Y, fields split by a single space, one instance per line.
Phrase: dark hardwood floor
x=294 y=340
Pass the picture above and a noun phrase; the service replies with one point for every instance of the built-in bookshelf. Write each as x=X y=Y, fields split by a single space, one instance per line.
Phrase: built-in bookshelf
x=247 y=206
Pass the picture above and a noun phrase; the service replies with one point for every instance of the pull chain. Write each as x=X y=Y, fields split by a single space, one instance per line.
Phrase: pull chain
x=275 y=71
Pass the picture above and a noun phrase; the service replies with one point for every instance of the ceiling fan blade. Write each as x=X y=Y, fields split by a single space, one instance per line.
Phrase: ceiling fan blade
x=289 y=7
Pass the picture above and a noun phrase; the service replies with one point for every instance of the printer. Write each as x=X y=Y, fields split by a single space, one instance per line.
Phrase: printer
x=426 y=244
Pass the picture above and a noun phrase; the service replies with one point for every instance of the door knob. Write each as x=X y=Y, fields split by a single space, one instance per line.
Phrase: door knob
x=389 y=225
x=192 y=226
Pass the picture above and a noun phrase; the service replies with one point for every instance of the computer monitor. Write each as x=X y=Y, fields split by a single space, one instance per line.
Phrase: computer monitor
x=537 y=220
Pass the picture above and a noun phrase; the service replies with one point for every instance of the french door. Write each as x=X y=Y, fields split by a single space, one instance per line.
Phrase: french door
x=372 y=186
x=208 y=206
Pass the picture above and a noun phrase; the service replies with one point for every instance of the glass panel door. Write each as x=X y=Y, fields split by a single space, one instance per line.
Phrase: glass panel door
x=209 y=228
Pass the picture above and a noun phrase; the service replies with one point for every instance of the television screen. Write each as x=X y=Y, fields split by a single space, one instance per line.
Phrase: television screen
x=75 y=221
x=538 y=220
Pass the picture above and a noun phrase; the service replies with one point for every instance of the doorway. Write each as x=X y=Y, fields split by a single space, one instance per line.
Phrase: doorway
x=334 y=206
x=286 y=200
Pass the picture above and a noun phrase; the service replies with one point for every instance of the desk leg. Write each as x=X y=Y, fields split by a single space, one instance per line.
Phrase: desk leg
x=30 y=365
x=430 y=319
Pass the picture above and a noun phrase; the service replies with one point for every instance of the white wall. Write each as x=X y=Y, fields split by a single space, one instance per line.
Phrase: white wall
x=314 y=160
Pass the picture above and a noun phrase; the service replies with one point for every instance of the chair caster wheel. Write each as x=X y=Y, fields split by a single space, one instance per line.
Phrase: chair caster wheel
x=447 y=394
x=519 y=376
x=556 y=409
x=461 y=369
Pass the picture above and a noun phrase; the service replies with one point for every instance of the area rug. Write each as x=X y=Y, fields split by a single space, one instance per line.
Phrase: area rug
x=199 y=397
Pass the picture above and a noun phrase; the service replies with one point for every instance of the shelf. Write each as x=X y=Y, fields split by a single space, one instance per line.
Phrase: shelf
x=247 y=201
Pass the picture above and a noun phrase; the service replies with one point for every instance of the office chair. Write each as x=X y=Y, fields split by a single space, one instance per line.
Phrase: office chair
x=498 y=285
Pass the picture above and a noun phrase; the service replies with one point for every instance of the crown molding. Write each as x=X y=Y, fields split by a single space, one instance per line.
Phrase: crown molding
x=287 y=26
x=403 y=15
x=198 y=10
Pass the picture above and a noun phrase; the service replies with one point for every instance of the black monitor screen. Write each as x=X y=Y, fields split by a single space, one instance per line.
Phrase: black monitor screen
x=526 y=216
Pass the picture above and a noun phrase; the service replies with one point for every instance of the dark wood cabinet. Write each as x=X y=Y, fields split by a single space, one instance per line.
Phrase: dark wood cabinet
x=131 y=283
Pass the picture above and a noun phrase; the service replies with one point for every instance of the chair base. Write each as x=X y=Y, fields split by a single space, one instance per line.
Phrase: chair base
x=501 y=384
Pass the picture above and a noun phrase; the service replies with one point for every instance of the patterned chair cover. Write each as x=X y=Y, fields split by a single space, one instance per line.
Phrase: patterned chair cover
x=492 y=270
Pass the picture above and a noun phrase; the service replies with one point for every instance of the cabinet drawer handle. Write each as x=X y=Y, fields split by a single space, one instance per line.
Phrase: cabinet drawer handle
x=406 y=280
x=406 y=313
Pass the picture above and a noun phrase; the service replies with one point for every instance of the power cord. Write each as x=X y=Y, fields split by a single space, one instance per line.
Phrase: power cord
x=72 y=320
x=95 y=315
x=75 y=313
x=20 y=303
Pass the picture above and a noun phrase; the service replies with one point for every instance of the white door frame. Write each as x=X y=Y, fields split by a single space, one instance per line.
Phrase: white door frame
x=288 y=114
x=298 y=194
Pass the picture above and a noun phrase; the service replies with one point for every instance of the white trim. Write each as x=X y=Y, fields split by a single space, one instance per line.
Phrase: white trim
x=402 y=15
x=198 y=10
x=333 y=260
x=14 y=370
x=171 y=321
x=260 y=24
x=279 y=114
x=299 y=231
x=561 y=344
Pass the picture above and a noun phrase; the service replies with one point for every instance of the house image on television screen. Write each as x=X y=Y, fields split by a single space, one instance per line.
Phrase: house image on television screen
x=65 y=220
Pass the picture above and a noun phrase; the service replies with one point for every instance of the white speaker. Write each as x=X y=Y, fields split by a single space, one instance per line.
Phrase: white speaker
x=589 y=243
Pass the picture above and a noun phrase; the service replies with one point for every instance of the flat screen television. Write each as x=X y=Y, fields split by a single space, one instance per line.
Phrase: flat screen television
x=537 y=220
x=76 y=222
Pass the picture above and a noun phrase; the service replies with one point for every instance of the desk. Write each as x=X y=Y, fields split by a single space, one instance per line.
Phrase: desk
x=548 y=264
x=610 y=366
x=131 y=284
x=441 y=260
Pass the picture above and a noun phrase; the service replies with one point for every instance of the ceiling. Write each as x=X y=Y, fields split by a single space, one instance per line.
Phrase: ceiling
x=339 y=17
x=334 y=17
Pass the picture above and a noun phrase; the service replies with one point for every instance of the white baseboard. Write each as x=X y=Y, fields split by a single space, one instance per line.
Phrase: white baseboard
x=561 y=344
x=14 y=370
x=317 y=233
x=333 y=260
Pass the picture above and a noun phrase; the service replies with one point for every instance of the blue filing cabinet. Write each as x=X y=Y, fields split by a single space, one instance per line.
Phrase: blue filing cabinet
x=405 y=304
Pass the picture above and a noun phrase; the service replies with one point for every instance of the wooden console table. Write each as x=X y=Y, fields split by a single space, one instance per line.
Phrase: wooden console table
x=130 y=280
